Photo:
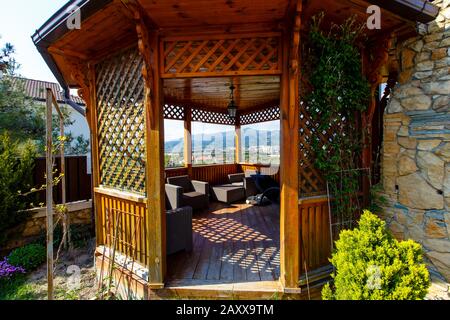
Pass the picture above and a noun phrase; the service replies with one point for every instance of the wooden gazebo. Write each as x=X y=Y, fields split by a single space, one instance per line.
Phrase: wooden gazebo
x=138 y=62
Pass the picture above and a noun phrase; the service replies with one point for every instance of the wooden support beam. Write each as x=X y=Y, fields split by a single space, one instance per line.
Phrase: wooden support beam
x=188 y=139
x=238 y=141
x=84 y=74
x=148 y=44
x=375 y=57
x=289 y=105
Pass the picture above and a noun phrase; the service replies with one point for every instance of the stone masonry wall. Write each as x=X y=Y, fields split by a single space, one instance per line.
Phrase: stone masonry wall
x=34 y=225
x=416 y=149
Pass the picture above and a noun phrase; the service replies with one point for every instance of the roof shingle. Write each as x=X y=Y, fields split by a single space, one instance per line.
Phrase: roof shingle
x=35 y=89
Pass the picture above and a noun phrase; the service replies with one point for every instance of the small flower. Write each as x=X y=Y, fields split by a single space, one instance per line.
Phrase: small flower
x=7 y=270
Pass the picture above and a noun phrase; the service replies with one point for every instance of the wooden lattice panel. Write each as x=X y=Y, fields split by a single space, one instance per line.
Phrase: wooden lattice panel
x=172 y=112
x=207 y=116
x=269 y=114
x=121 y=122
x=311 y=179
x=233 y=55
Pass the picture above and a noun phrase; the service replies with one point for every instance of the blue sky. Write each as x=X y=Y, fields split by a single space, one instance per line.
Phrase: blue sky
x=19 y=19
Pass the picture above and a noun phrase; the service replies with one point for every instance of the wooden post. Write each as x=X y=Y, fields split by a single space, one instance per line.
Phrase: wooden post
x=91 y=89
x=238 y=140
x=188 y=140
x=154 y=120
x=289 y=168
x=49 y=195
x=66 y=224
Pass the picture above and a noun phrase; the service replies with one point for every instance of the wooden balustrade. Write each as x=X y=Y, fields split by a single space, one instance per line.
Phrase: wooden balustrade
x=315 y=242
x=121 y=223
x=217 y=174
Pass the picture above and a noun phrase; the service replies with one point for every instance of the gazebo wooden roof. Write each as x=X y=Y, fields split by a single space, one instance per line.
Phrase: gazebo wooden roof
x=137 y=62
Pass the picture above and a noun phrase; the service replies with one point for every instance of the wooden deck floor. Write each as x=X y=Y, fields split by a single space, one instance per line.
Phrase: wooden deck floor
x=232 y=244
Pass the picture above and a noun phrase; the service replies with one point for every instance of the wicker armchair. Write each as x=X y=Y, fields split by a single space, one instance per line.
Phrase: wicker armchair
x=181 y=192
x=178 y=224
x=241 y=180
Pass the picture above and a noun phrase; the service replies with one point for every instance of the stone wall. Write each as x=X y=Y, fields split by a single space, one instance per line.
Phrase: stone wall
x=34 y=225
x=416 y=149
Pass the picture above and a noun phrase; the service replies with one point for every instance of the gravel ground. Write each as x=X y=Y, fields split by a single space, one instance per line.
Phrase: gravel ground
x=82 y=261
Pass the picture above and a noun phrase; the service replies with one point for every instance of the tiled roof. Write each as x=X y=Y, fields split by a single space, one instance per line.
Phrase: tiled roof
x=35 y=89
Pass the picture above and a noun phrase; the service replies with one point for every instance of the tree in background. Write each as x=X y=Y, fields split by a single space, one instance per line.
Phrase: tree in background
x=16 y=172
x=22 y=118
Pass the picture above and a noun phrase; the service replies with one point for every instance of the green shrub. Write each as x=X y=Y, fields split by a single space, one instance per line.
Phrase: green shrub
x=372 y=265
x=29 y=257
x=16 y=168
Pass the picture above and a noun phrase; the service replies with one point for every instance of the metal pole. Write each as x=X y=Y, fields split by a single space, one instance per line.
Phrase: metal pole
x=49 y=193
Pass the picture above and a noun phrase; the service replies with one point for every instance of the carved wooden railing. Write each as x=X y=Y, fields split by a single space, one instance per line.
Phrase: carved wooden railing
x=121 y=223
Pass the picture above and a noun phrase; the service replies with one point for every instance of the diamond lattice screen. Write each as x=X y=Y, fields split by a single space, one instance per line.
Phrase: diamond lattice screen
x=312 y=181
x=229 y=55
x=269 y=114
x=207 y=116
x=121 y=122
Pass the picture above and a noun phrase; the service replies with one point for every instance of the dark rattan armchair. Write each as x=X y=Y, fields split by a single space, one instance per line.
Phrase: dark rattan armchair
x=193 y=193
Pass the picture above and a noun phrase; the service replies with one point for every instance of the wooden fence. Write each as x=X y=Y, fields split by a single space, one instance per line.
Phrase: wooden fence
x=78 y=181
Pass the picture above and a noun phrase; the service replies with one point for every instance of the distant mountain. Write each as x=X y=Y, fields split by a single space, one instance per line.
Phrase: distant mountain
x=272 y=138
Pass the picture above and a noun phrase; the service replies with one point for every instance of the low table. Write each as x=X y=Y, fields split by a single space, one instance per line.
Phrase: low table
x=228 y=193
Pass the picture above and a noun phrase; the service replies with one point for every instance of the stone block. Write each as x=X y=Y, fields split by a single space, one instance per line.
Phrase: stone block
x=406 y=166
x=444 y=151
x=439 y=54
x=442 y=262
x=403 y=131
x=419 y=102
x=435 y=225
x=394 y=106
x=428 y=145
x=439 y=245
x=407 y=142
x=441 y=87
x=441 y=104
x=425 y=66
x=415 y=192
x=432 y=167
x=397 y=230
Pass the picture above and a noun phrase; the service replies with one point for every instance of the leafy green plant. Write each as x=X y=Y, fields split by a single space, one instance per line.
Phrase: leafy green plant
x=29 y=257
x=17 y=288
x=336 y=93
x=16 y=167
x=371 y=265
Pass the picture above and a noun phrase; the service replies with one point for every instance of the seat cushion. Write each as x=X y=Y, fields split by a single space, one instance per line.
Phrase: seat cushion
x=196 y=200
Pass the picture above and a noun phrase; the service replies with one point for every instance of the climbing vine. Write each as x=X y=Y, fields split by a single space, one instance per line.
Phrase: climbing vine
x=337 y=93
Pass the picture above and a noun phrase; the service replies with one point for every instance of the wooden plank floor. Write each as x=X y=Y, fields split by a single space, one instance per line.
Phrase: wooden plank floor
x=232 y=244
